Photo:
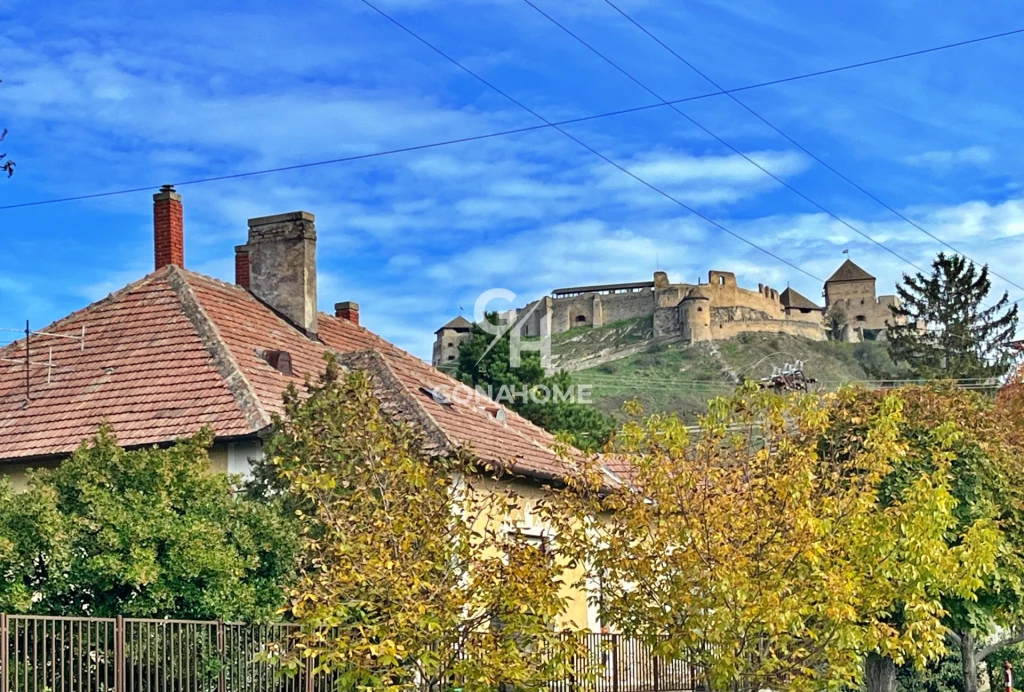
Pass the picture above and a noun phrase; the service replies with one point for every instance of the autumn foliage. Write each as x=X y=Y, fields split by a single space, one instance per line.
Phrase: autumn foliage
x=770 y=546
x=411 y=574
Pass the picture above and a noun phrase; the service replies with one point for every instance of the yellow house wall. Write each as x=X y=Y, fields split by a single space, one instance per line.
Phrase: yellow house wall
x=578 y=613
x=17 y=473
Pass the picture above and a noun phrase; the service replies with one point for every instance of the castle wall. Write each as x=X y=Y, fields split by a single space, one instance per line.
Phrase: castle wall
x=671 y=295
x=729 y=329
x=627 y=306
x=446 y=346
x=575 y=311
x=859 y=292
x=868 y=312
x=666 y=322
x=766 y=300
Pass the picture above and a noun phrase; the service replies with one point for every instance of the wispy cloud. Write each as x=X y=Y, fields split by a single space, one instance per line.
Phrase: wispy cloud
x=945 y=159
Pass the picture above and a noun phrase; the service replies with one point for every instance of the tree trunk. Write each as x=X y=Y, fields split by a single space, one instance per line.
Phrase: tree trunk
x=879 y=674
x=968 y=657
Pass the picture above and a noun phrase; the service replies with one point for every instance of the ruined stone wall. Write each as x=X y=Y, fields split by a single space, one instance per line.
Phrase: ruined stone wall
x=729 y=329
x=666 y=322
x=671 y=295
x=765 y=300
x=627 y=306
x=575 y=311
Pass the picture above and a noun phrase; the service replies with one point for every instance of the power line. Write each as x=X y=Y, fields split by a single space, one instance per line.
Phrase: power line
x=722 y=141
x=582 y=143
x=503 y=133
x=795 y=143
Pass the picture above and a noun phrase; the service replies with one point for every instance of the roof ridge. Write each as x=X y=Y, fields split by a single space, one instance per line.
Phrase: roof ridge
x=382 y=369
x=849 y=271
x=223 y=361
x=109 y=298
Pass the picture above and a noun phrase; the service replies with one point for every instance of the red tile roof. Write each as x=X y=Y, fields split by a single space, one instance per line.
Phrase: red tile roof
x=176 y=351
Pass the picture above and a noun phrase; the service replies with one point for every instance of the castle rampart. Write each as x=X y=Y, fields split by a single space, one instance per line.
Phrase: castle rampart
x=718 y=309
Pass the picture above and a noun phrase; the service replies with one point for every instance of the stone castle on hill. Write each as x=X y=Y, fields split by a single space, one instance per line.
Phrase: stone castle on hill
x=691 y=313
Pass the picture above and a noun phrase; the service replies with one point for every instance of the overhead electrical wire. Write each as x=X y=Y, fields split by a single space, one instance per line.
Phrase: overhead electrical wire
x=583 y=144
x=716 y=137
x=795 y=143
x=532 y=128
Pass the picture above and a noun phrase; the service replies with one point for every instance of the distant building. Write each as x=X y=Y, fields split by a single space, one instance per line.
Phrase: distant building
x=718 y=309
x=449 y=338
x=852 y=290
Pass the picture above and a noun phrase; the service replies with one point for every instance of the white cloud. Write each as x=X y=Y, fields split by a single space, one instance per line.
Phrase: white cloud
x=945 y=159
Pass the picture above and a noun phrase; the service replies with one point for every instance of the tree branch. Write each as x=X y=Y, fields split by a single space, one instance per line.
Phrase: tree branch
x=1015 y=638
x=953 y=639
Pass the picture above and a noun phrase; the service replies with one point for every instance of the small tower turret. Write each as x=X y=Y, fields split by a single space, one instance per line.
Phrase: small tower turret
x=695 y=316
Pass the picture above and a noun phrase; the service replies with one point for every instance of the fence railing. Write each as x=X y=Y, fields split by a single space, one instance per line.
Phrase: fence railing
x=62 y=654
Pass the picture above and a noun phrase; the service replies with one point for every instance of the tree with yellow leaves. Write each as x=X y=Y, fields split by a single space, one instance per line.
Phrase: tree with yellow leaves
x=760 y=549
x=411 y=575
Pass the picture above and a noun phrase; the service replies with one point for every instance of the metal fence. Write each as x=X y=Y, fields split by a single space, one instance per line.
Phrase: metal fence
x=61 y=654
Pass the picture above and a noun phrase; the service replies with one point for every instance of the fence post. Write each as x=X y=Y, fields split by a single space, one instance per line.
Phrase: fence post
x=309 y=674
x=120 y=656
x=615 y=663
x=222 y=683
x=657 y=686
x=5 y=653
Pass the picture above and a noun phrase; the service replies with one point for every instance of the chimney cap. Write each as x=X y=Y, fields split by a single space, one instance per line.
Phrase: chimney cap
x=346 y=305
x=281 y=218
x=167 y=192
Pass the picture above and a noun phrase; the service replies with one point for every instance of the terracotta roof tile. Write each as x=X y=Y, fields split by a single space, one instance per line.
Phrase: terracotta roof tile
x=177 y=351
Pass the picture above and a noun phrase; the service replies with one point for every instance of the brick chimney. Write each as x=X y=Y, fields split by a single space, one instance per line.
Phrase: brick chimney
x=242 y=266
x=168 y=228
x=282 y=265
x=347 y=310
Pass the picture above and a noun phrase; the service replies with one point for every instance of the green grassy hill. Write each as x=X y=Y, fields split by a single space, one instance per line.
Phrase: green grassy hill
x=681 y=378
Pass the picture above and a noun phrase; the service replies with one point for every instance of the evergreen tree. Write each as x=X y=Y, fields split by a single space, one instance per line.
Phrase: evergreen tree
x=946 y=332
x=587 y=427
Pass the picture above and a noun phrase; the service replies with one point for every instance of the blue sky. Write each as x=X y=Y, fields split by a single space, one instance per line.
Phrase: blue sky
x=101 y=96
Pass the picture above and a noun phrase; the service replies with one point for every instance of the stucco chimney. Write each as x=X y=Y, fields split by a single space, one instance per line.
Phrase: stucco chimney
x=168 y=228
x=347 y=310
x=282 y=265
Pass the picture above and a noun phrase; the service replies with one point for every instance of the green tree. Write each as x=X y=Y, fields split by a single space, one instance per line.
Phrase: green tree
x=835 y=320
x=485 y=362
x=142 y=533
x=979 y=455
x=412 y=573
x=767 y=557
x=946 y=332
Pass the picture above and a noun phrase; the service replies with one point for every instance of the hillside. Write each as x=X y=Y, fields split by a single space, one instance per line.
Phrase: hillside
x=622 y=361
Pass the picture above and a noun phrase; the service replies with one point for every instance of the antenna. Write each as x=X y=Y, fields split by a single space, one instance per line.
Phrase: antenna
x=27 y=360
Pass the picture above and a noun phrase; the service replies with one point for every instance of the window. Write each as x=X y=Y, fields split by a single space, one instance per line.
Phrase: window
x=861 y=318
x=580 y=319
x=721 y=281
x=450 y=344
x=700 y=309
x=451 y=357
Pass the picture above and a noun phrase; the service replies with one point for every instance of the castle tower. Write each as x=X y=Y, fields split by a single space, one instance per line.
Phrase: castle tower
x=695 y=316
x=449 y=338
